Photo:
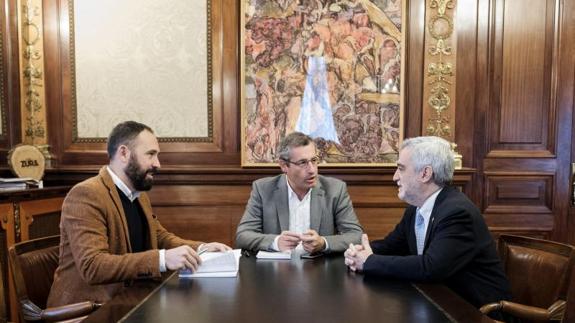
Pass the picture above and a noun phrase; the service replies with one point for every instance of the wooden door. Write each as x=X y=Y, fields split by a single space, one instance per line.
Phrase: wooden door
x=524 y=81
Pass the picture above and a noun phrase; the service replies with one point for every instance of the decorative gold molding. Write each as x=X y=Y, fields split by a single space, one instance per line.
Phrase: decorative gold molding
x=210 y=105
x=439 y=81
x=17 y=226
x=3 y=106
x=32 y=91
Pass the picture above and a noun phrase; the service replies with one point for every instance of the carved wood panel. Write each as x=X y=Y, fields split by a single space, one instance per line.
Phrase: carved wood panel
x=523 y=79
x=212 y=213
x=519 y=193
x=523 y=63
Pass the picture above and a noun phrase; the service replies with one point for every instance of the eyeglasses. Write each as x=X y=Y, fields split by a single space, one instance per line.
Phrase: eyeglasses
x=304 y=162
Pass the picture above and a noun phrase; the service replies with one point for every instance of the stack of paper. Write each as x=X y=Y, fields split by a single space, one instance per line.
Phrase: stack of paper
x=216 y=264
x=12 y=184
x=17 y=183
x=273 y=255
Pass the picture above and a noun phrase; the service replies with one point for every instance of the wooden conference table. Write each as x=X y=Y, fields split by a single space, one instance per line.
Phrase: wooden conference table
x=296 y=290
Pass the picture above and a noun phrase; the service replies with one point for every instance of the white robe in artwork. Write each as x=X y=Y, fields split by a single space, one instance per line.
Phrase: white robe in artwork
x=315 y=117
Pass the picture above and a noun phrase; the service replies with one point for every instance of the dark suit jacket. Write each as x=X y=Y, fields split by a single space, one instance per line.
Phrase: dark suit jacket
x=267 y=214
x=95 y=253
x=459 y=251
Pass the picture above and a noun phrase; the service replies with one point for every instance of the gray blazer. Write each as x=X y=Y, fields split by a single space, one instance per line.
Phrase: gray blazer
x=267 y=214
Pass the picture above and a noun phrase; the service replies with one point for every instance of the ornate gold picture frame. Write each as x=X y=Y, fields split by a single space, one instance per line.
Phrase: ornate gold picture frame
x=331 y=69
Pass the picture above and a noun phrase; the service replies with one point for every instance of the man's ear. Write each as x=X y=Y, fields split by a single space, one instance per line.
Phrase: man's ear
x=123 y=153
x=284 y=166
x=426 y=174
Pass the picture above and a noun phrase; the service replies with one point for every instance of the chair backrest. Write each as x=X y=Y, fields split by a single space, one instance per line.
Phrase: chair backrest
x=33 y=264
x=539 y=271
x=570 y=306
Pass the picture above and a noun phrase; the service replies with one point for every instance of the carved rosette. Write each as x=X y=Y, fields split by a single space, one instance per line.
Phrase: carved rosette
x=33 y=103
x=439 y=79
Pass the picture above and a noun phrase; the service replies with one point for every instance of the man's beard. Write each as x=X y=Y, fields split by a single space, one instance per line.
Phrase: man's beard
x=138 y=176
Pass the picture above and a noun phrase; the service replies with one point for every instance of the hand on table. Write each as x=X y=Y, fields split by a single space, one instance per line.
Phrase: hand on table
x=356 y=255
x=312 y=242
x=182 y=257
x=288 y=240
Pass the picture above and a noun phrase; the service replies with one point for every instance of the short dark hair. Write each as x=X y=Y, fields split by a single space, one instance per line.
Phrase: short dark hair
x=293 y=140
x=124 y=134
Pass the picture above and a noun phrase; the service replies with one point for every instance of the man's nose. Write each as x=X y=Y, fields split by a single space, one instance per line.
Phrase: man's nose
x=311 y=167
x=396 y=175
x=156 y=163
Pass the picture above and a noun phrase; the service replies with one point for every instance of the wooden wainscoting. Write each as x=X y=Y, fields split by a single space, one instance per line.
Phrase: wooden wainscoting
x=200 y=212
x=212 y=213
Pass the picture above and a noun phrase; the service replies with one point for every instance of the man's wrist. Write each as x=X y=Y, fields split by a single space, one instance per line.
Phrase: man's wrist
x=163 y=268
x=274 y=246
x=326 y=245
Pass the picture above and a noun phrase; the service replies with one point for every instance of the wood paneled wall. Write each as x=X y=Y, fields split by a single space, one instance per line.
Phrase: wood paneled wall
x=514 y=116
x=9 y=84
x=70 y=153
x=211 y=212
x=524 y=73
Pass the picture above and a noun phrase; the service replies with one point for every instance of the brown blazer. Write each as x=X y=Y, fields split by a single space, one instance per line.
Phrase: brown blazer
x=95 y=253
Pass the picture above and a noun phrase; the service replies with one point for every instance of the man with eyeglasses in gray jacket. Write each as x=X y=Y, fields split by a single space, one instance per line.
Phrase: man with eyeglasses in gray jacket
x=298 y=209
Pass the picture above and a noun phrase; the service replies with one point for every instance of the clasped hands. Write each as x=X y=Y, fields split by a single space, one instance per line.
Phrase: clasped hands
x=185 y=257
x=356 y=255
x=311 y=241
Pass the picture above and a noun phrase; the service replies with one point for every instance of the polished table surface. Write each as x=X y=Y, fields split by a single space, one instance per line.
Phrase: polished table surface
x=314 y=290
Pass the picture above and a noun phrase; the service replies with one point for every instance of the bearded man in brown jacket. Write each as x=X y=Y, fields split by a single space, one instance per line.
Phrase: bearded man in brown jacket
x=109 y=234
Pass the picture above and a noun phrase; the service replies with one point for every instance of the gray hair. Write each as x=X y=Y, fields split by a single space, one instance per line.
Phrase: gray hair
x=435 y=152
x=293 y=140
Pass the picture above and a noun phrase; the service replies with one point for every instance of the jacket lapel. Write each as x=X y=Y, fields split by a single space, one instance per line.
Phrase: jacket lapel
x=411 y=240
x=280 y=196
x=438 y=201
x=113 y=190
x=317 y=206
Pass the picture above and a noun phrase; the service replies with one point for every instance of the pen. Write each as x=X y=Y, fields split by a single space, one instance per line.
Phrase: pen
x=202 y=251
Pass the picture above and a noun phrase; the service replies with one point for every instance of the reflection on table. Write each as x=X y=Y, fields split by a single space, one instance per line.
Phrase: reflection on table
x=315 y=290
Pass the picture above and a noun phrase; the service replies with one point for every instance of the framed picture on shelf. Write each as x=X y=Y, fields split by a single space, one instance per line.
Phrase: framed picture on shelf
x=332 y=69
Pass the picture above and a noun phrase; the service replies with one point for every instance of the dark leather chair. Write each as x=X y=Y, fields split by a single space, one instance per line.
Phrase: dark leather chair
x=539 y=272
x=3 y=312
x=570 y=308
x=33 y=264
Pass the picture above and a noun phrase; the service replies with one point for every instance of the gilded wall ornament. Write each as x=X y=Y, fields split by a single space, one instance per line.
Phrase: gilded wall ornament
x=439 y=81
x=32 y=77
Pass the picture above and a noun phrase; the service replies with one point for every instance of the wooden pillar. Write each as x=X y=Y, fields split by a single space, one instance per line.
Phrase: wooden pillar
x=439 y=78
x=32 y=84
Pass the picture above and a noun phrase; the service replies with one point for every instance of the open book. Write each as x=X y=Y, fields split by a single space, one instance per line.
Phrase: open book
x=216 y=264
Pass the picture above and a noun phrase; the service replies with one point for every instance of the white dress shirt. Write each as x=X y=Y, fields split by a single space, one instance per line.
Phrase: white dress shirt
x=299 y=216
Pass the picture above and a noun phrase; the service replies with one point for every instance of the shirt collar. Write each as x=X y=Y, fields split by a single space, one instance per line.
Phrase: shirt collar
x=427 y=206
x=292 y=194
x=122 y=186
